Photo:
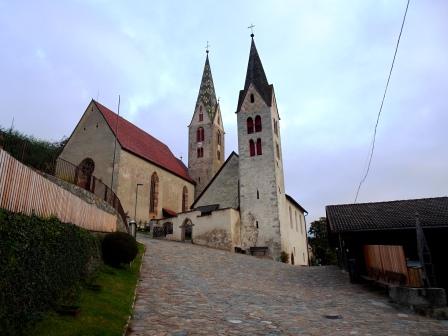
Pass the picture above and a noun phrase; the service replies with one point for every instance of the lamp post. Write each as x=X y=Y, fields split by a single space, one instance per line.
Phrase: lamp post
x=136 y=197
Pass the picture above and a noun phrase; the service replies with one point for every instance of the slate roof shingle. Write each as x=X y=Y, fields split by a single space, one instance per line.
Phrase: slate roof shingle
x=255 y=75
x=433 y=212
x=142 y=144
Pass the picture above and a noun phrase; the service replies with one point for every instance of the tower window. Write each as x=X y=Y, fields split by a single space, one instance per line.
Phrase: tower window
x=258 y=194
x=275 y=126
x=199 y=134
x=278 y=150
x=250 y=125
x=252 y=98
x=256 y=223
x=201 y=116
x=200 y=151
x=257 y=123
x=259 y=147
x=218 y=137
x=251 y=147
x=218 y=154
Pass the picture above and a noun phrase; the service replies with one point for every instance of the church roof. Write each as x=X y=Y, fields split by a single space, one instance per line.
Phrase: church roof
x=207 y=95
x=293 y=201
x=142 y=144
x=255 y=75
x=214 y=177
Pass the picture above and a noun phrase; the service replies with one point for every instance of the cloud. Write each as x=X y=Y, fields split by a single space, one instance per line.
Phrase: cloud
x=328 y=61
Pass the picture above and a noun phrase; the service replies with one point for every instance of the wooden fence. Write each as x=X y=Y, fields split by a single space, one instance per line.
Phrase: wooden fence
x=26 y=191
x=387 y=264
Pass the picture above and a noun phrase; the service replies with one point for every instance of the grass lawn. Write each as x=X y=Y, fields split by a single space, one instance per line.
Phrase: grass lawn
x=103 y=312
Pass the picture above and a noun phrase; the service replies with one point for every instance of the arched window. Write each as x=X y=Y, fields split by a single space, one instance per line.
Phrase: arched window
x=184 y=199
x=200 y=134
x=250 y=125
x=154 y=193
x=257 y=123
x=278 y=150
x=259 y=147
x=84 y=173
x=218 y=155
x=297 y=222
x=251 y=147
x=252 y=98
x=200 y=151
x=201 y=116
x=290 y=218
x=218 y=137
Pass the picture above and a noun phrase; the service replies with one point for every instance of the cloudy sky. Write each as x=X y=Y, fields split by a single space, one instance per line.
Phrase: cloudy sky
x=328 y=61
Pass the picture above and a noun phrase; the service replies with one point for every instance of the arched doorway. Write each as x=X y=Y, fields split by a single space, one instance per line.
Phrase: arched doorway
x=85 y=173
x=187 y=230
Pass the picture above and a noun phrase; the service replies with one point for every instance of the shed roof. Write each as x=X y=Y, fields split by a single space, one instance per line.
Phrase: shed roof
x=432 y=212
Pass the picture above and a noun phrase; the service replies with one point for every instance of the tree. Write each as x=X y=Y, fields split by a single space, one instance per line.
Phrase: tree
x=36 y=153
x=323 y=253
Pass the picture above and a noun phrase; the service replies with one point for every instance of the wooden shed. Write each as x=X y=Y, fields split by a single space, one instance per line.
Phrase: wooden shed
x=397 y=242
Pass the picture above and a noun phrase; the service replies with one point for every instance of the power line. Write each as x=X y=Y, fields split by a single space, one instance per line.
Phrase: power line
x=381 y=106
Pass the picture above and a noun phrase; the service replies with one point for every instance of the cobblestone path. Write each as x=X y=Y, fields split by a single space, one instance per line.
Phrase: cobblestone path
x=191 y=290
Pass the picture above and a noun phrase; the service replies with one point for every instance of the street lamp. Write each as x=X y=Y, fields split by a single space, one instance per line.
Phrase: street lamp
x=136 y=195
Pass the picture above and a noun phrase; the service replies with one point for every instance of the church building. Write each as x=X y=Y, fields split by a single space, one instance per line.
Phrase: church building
x=237 y=204
x=149 y=180
x=241 y=203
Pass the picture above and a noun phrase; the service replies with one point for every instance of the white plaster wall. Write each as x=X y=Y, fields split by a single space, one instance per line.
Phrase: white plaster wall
x=293 y=233
x=207 y=230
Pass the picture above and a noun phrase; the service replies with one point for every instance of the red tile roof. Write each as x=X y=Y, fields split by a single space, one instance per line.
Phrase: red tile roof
x=142 y=144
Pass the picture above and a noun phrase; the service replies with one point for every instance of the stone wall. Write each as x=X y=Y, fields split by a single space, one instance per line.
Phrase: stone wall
x=93 y=138
x=89 y=198
x=136 y=170
x=203 y=169
x=261 y=177
x=224 y=188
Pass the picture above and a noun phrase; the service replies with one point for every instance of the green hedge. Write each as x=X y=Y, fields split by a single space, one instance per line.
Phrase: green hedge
x=42 y=262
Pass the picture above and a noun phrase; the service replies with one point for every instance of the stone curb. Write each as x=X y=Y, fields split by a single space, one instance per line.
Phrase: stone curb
x=125 y=329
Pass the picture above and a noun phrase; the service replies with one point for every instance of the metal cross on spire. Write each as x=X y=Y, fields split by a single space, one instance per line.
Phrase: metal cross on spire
x=207 y=47
x=251 y=27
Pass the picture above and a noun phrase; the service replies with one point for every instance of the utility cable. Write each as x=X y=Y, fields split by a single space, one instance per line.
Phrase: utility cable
x=381 y=107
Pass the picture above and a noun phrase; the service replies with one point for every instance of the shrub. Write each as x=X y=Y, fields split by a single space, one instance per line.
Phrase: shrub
x=119 y=248
x=41 y=263
x=284 y=257
x=37 y=153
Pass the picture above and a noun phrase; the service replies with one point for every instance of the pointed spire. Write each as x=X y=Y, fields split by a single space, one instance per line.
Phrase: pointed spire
x=207 y=94
x=255 y=72
x=255 y=75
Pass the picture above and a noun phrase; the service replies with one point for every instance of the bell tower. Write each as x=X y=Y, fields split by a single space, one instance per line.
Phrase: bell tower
x=262 y=191
x=205 y=133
